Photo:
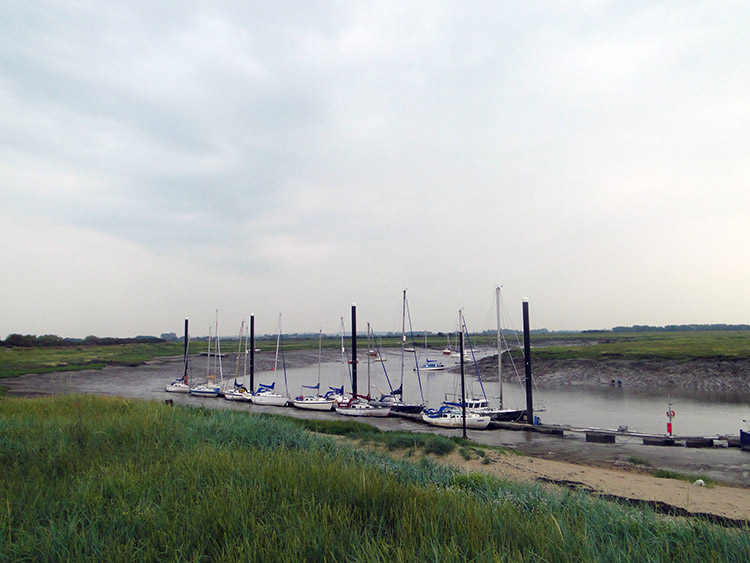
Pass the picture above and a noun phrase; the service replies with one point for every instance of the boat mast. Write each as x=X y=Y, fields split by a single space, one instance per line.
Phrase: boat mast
x=208 y=355
x=354 y=348
x=369 y=332
x=252 y=353
x=278 y=341
x=320 y=351
x=403 y=340
x=244 y=365
x=463 y=377
x=218 y=348
x=499 y=347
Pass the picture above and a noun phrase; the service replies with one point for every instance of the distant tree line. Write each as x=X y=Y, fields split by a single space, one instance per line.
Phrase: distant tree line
x=677 y=328
x=49 y=340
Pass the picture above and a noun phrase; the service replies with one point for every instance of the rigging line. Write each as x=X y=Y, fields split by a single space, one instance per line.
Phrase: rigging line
x=377 y=350
x=239 y=351
x=414 y=348
x=218 y=347
x=344 y=361
x=473 y=358
x=283 y=362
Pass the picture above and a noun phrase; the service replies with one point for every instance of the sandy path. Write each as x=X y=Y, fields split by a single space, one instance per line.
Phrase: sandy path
x=725 y=502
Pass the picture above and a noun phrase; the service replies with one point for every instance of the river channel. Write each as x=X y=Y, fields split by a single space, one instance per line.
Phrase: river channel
x=697 y=413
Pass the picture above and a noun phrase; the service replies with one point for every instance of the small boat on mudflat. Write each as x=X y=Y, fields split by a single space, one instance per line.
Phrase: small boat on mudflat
x=182 y=385
x=451 y=416
x=359 y=407
x=744 y=440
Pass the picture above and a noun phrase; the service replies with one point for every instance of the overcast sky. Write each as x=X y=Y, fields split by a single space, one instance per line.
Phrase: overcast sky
x=161 y=160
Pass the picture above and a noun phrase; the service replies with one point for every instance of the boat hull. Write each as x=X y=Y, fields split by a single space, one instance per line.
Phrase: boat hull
x=237 y=396
x=270 y=400
x=364 y=410
x=314 y=404
x=509 y=415
x=456 y=421
x=406 y=409
x=177 y=388
x=745 y=441
x=205 y=391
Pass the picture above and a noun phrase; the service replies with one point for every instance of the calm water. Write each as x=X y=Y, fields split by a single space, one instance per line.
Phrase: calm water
x=641 y=410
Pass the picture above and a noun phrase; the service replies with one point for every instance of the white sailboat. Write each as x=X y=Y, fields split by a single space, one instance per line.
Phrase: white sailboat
x=181 y=385
x=316 y=402
x=451 y=416
x=481 y=405
x=210 y=388
x=394 y=400
x=456 y=414
x=266 y=394
x=237 y=391
x=356 y=406
x=502 y=413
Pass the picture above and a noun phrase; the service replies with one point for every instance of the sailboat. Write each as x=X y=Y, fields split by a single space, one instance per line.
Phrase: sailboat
x=359 y=405
x=450 y=415
x=502 y=413
x=481 y=405
x=447 y=351
x=316 y=402
x=210 y=388
x=456 y=415
x=337 y=393
x=181 y=385
x=238 y=392
x=394 y=400
x=266 y=394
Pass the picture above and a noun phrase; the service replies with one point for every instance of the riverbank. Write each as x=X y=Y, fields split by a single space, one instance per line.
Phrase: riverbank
x=700 y=374
x=608 y=469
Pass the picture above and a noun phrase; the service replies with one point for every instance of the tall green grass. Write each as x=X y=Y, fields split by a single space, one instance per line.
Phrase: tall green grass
x=89 y=478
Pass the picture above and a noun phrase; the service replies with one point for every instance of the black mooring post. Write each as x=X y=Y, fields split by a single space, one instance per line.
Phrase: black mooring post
x=463 y=382
x=354 y=348
x=527 y=362
x=252 y=353
x=185 y=355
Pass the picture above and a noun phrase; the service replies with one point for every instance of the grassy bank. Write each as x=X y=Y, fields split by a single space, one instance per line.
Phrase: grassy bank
x=111 y=479
x=711 y=345
x=18 y=361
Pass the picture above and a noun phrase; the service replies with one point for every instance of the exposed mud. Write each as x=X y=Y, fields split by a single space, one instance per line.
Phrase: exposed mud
x=694 y=374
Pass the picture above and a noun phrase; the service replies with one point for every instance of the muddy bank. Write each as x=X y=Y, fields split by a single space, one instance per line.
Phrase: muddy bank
x=695 y=374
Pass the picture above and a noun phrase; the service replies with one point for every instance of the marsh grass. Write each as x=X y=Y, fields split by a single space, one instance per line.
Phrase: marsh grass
x=18 y=361
x=668 y=474
x=91 y=478
x=711 y=345
x=639 y=461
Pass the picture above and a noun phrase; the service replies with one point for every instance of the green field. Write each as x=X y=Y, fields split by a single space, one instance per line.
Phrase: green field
x=108 y=479
x=717 y=345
